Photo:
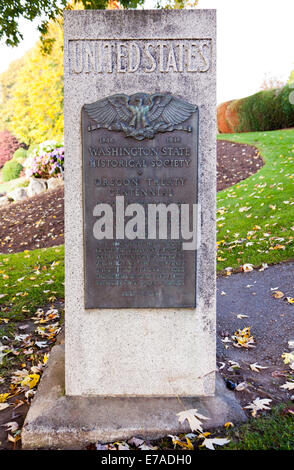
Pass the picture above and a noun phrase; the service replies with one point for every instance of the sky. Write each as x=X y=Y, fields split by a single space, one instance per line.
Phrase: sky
x=30 y=36
x=255 y=40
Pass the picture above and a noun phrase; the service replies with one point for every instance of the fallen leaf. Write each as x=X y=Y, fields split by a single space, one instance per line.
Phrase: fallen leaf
x=288 y=386
x=41 y=344
x=243 y=338
x=278 y=294
x=288 y=410
x=263 y=266
x=147 y=447
x=3 y=406
x=12 y=426
x=31 y=380
x=234 y=365
x=193 y=418
x=209 y=443
x=280 y=373
x=226 y=340
x=229 y=424
x=256 y=368
x=3 y=397
x=135 y=441
x=13 y=439
x=23 y=327
x=178 y=442
x=247 y=267
x=288 y=357
x=101 y=446
x=241 y=386
x=259 y=404
x=122 y=445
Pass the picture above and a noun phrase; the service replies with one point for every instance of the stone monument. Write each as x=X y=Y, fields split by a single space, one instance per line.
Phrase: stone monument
x=152 y=338
x=140 y=130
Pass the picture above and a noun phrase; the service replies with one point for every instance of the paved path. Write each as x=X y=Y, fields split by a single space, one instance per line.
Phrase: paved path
x=271 y=320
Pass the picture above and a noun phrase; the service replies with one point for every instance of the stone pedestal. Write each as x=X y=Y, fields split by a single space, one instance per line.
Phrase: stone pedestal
x=137 y=352
x=57 y=421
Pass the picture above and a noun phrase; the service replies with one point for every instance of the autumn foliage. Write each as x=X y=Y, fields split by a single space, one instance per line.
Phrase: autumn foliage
x=267 y=110
x=32 y=100
x=31 y=105
x=8 y=145
x=113 y=5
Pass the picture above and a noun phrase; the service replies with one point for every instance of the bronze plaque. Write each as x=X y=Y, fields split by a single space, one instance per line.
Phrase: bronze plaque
x=144 y=148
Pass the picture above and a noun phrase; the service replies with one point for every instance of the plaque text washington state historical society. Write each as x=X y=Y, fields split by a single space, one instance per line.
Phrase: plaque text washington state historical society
x=143 y=148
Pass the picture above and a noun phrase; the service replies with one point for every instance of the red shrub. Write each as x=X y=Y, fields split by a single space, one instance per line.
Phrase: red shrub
x=8 y=145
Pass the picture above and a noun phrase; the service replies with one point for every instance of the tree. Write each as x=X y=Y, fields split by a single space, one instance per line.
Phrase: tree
x=269 y=83
x=176 y=4
x=35 y=106
x=8 y=145
x=31 y=103
x=12 y=11
x=7 y=84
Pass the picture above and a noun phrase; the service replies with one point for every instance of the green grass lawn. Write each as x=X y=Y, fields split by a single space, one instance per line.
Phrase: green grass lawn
x=255 y=225
x=255 y=218
x=29 y=280
x=272 y=432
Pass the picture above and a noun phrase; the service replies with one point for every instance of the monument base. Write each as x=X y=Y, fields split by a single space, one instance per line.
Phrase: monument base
x=57 y=421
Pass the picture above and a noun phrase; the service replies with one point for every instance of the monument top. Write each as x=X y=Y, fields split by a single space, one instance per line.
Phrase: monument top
x=149 y=24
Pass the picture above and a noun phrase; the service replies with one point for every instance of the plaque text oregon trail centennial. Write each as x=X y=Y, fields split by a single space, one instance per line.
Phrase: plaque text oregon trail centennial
x=143 y=147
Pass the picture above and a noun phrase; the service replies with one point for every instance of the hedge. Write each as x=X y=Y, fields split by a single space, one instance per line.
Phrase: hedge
x=20 y=155
x=264 y=111
x=11 y=170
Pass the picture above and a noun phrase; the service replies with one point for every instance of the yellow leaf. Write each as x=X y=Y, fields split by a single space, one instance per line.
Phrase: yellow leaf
x=31 y=380
x=243 y=338
x=288 y=358
x=182 y=444
x=203 y=435
x=3 y=397
x=229 y=424
x=278 y=294
x=13 y=439
x=278 y=247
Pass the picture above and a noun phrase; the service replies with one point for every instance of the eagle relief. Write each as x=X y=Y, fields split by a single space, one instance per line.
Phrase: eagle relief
x=140 y=115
